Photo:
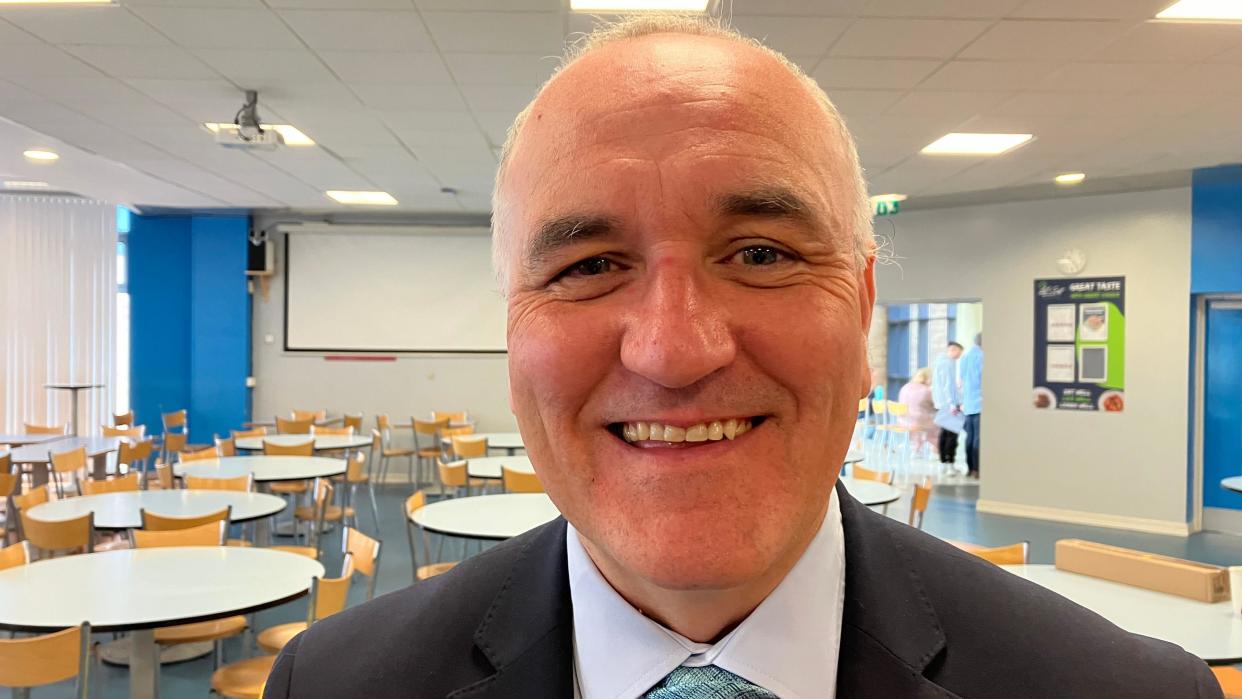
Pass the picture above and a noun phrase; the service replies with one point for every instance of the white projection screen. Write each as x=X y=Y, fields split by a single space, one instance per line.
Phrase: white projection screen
x=416 y=290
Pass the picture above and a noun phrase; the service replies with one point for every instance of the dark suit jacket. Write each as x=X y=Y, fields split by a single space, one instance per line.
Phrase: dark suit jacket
x=921 y=619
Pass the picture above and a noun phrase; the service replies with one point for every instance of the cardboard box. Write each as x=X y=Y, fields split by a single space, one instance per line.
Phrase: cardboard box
x=1197 y=581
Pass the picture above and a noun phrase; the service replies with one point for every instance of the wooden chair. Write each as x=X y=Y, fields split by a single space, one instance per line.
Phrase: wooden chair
x=293 y=489
x=254 y=432
x=328 y=596
x=177 y=423
x=45 y=429
x=354 y=421
x=14 y=555
x=69 y=535
x=364 y=551
x=387 y=450
x=239 y=484
x=918 y=504
x=518 y=482
x=312 y=415
x=284 y=426
x=306 y=448
x=123 y=419
x=208 y=454
x=121 y=484
x=209 y=530
x=9 y=484
x=450 y=415
x=863 y=473
x=427 y=440
x=226 y=446
x=134 y=433
x=173 y=444
x=134 y=457
x=319 y=511
x=332 y=431
x=1013 y=554
x=1230 y=679
x=164 y=476
x=356 y=475
x=428 y=569
x=469 y=447
x=47 y=659
x=458 y=431
x=454 y=475
x=72 y=462
x=23 y=502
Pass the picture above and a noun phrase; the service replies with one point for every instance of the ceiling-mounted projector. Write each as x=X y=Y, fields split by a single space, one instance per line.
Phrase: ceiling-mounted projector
x=247 y=131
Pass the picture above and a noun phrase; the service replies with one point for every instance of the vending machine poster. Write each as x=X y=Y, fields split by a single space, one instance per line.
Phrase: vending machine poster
x=1080 y=344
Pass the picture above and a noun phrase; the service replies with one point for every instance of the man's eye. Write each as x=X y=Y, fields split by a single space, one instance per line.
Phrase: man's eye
x=590 y=268
x=760 y=255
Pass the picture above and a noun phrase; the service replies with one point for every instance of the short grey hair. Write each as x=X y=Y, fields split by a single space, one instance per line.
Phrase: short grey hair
x=697 y=25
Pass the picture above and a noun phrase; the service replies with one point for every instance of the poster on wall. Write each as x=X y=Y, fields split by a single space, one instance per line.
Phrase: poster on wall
x=1080 y=344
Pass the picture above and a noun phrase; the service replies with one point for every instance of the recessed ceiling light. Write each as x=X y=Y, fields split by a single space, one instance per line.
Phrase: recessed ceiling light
x=976 y=143
x=40 y=156
x=1070 y=178
x=290 y=134
x=888 y=197
x=638 y=5
x=363 y=198
x=24 y=184
x=1203 y=10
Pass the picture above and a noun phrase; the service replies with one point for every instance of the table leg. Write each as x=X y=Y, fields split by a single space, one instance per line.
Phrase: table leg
x=263 y=532
x=73 y=417
x=99 y=467
x=144 y=665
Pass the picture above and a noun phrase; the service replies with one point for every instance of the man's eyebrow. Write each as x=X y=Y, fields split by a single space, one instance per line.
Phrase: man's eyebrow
x=560 y=232
x=767 y=202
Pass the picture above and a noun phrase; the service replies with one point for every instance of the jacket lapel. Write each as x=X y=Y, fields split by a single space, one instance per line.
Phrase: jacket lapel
x=527 y=633
x=890 y=634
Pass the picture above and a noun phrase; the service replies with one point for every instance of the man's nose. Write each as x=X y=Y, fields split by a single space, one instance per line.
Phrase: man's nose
x=680 y=334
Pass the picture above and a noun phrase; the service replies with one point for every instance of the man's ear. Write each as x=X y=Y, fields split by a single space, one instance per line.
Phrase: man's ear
x=866 y=306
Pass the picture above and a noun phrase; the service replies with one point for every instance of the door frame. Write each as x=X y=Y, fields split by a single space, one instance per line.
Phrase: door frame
x=1201 y=307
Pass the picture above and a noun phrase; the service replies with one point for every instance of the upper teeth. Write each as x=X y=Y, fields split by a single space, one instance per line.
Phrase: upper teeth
x=702 y=432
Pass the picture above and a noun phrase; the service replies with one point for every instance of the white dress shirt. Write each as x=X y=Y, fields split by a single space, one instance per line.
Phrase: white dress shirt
x=788 y=645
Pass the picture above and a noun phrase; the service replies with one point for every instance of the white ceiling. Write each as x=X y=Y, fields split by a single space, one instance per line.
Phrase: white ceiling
x=413 y=95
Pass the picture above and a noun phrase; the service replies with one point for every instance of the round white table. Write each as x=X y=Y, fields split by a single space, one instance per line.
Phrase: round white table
x=139 y=590
x=493 y=517
x=871 y=492
x=509 y=441
x=855 y=456
x=323 y=442
x=1212 y=632
x=1233 y=483
x=266 y=469
x=122 y=510
x=489 y=467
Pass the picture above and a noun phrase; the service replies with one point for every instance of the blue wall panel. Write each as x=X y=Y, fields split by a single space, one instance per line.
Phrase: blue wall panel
x=1216 y=230
x=159 y=290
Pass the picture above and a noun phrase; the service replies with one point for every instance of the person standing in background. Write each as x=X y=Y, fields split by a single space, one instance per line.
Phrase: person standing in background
x=948 y=401
x=916 y=395
x=972 y=402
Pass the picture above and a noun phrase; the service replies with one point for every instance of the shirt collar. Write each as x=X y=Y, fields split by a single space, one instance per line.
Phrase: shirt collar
x=788 y=645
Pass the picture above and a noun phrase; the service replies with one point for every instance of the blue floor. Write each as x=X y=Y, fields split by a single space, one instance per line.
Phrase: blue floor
x=950 y=515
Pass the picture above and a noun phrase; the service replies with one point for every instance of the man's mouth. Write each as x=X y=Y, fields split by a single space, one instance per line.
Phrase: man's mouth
x=656 y=434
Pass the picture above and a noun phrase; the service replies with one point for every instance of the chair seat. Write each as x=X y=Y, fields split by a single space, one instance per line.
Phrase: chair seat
x=201 y=631
x=429 y=452
x=1230 y=679
x=238 y=542
x=308 y=551
x=331 y=513
x=398 y=452
x=273 y=639
x=243 y=679
x=290 y=487
x=433 y=569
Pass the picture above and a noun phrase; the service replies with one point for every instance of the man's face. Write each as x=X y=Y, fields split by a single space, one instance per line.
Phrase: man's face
x=954 y=351
x=680 y=254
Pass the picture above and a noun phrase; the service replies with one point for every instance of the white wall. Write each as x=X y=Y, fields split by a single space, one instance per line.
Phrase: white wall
x=413 y=384
x=1127 y=469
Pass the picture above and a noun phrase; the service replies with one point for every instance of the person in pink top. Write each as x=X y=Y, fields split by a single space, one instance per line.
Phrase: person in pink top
x=917 y=396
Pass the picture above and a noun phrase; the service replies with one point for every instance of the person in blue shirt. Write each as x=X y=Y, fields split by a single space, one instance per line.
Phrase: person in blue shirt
x=972 y=402
x=947 y=399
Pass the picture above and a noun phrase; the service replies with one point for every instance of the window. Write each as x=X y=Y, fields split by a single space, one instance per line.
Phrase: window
x=122 y=310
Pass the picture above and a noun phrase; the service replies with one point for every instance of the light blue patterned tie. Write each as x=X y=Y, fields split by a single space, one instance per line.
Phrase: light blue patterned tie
x=706 y=682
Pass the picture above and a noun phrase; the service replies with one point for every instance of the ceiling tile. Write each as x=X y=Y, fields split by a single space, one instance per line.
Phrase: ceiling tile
x=498 y=98
x=405 y=97
x=1110 y=77
x=798 y=8
x=212 y=28
x=336 y=4
x=1051 y=40
x=1212 y=78
x=1172 y=41
x=496 y=125
x=110 y=25
x=907 y=38
x=498 y=5
x=222 y=4
x=953 y=105
x=501 y=68
x=11 y=34
x=360 y=31
x=497 y=32
x=10 y=92
x=1091 y=9
x=854 y=103
x=468 y=137
x=40 y=61
x=872 y=73
x=807 y=36
x=424 y=120
x=169 y=62
x=987 y=75
x=256 y=68
x=386 y=67
x=966 y=9
x=201 y=180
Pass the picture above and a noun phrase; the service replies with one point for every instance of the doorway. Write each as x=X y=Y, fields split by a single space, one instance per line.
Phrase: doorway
x=1220 y=411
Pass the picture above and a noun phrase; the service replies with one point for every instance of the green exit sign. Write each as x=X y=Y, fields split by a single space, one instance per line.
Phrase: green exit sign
x=886 y=207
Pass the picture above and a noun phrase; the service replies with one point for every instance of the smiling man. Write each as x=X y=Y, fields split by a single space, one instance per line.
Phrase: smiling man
x=683 y=237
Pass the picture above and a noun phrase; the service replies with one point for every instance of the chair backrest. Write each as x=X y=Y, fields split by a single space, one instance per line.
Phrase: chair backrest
x=69 y=461
x=863 y=473
x=878 y=406
x=862 y=405
x=452 y=474
x=469 y=447
x=918 y=504
x=44 y=660
x=123 y=419
x=518 y=482
x=239 y=484
x=135 y=452
x=354 y=421
x=164 y=475
x=456 y=431
x=209 y=534
x=121 y=484
x=45 y=429
x=63 y=535
x=312 y=415
x=413 y=504
x=1012 y=554
x=225 y=446
x=356 y=469
x=136 y=432
x=36 y=496
x=304 y=449
x=381 y=422
x=207 y=454
x=8 y=481
x=365 y=554
x=334 y=431
x=897 y=409
x=429 y=427
x=284 y=426
x=175 y=442
x=259 y=431
x=16 y=555
x=450 y=415
x=377 y=440
x=163 y=523
x=177 y=418
x=330 y=595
